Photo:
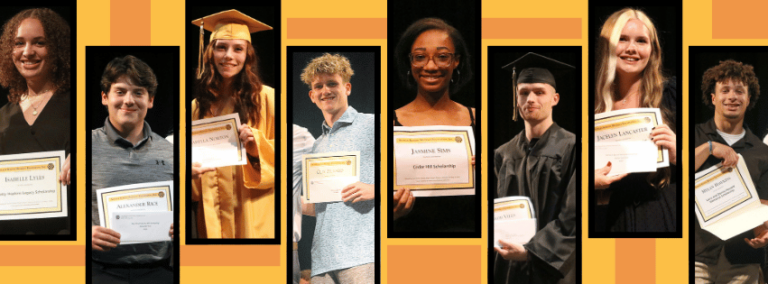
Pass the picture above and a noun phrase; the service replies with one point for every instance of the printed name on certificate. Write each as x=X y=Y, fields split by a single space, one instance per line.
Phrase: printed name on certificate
x=30 y=187
x=630 y=125
x=216 y=142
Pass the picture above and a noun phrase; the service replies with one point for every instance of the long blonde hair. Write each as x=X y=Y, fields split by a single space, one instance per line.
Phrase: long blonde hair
x=652 y=80
x=652 y=85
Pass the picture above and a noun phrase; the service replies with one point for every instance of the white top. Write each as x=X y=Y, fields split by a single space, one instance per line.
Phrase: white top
x=731 y=138
x=302 y=144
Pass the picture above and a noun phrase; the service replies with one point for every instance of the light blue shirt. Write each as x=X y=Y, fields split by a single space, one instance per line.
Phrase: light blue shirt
x=344 y=233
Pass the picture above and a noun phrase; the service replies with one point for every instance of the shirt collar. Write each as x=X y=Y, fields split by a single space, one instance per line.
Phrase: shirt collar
x=710 y=128
x=347 y=118
x=122 y=142
x=538 y=148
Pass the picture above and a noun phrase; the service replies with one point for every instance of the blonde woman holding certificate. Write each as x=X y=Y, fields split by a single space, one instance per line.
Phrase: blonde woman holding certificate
x=235 y=201
x=629 y=76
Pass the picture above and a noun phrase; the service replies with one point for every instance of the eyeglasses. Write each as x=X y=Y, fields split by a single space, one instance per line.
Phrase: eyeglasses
x=440 y=59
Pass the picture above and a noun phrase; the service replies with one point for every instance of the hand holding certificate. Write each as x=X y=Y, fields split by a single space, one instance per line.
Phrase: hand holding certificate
x=326 y=174
x=514 y=220
x=30 y=187
x=623 y=138
x=434 y=160
x=216 y=142
x=727 y=203
x=139 y=212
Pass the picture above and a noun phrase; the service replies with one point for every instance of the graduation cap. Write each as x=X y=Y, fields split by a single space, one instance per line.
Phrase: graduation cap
x=534 y=68
x=231 y=24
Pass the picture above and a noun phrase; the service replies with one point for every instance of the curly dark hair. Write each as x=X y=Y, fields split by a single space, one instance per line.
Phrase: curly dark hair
x=138 y=72
x=57 y=35
x=730 y=70
x=409 y=36
x=246 y=84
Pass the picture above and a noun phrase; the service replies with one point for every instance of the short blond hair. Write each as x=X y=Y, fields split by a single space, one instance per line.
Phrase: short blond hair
x=327 y=64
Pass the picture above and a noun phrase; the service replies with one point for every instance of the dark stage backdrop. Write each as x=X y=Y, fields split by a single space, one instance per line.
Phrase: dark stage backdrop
x=462 y=15
x=164 y=61
x=567 y=113
x=363 y=96
x=66 y=12
x=702 y=58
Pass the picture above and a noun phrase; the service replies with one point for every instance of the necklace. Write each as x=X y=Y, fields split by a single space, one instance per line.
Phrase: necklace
x=34 y=108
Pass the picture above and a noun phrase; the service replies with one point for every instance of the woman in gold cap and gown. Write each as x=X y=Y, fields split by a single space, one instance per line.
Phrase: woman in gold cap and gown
x=235 y=201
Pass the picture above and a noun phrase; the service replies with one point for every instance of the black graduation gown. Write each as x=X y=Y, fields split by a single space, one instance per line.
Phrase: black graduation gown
x=546 y=173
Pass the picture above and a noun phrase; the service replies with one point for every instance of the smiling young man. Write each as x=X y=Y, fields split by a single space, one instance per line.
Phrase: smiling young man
x=126 y=151
x=539 y=163
x=730 y=88
x=343 y=248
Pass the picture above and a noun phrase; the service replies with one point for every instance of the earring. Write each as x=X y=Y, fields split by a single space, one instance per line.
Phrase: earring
x=408 y=73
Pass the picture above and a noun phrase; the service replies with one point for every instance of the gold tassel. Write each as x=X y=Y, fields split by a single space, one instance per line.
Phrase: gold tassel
x=200 y=65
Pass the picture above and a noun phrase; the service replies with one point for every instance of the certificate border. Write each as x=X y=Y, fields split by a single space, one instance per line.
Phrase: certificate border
x=230 y=121
x=508 y=203
x=59 y=208
x=306 y=161
x=469 y=184
x=106 y=195
x=660 y=157
x=711 y=175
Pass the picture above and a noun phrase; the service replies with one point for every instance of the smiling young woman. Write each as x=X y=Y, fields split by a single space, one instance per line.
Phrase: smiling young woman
x=35 y=67
x=235 y=201
x=629 y=75
x=433 y=60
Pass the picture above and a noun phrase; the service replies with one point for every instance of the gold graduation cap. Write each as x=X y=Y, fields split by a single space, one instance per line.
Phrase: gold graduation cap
x=534 y=68
x=231 y=24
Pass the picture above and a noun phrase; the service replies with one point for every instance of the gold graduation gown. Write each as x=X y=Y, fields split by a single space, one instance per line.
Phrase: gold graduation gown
x=239 y=201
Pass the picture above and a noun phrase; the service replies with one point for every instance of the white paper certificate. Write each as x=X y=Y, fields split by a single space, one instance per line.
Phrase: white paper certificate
x=633 y=124
x=30 y=187
x=434 y=160
x=216 y=142
x=726 y=201
x=143 y=197
x=514 y=220
x=142 y=227
x=626 y=156
x=326 y=174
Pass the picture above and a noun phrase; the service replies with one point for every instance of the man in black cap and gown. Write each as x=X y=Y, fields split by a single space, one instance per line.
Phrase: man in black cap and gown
x=541 y=163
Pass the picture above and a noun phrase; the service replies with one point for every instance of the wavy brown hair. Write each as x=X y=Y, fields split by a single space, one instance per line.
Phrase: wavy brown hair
x=245 y=84
x=57 y=36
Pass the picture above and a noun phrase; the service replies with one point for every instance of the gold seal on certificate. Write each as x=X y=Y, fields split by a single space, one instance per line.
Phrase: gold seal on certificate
x=326 y=174
x=514 y=220
x=122 y=209
x=434 y=160
x=623 y=138
x=216 y=141
x=727 y=203
x=30 y=187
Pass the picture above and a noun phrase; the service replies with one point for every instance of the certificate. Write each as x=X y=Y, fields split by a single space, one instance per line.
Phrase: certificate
x=727 y=203
x=626 y=156
x=633 y=124
x=326 y=174
x=142 y=227
x=216 y=142
x=143 y=197
x=434 y=160
x=514 y=220
x=30 y=187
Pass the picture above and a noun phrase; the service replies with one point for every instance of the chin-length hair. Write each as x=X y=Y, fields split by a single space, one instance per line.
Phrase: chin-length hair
x=246 y=86
x=652 y=79
x=57 y=37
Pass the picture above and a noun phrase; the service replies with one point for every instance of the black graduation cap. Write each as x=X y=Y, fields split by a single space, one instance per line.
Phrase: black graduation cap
x=534 y=68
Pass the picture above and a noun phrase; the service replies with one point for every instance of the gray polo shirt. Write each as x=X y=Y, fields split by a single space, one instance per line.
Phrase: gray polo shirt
x=114 y=162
